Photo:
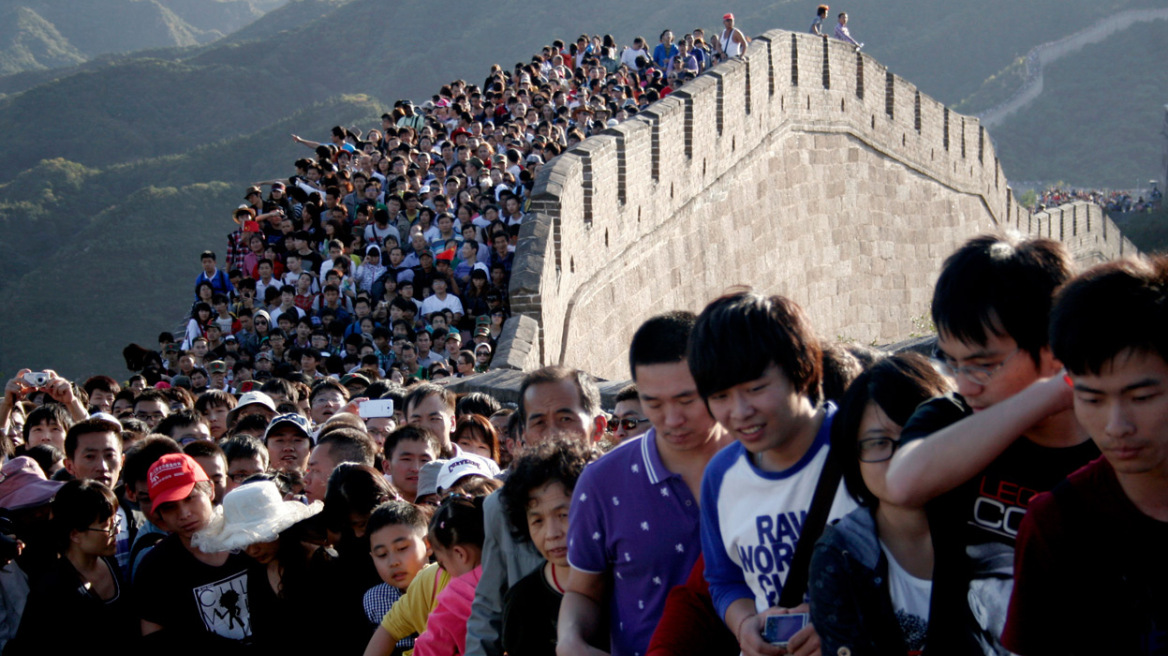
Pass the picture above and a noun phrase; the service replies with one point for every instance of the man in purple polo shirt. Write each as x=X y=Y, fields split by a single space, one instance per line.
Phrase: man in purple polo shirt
x=634 y=517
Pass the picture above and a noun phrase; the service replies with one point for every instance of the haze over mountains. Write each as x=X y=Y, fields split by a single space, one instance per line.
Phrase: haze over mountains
x=120 y=168
x=45 y=34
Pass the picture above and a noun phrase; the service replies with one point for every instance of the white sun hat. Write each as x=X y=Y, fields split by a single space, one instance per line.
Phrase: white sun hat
x=251 y=513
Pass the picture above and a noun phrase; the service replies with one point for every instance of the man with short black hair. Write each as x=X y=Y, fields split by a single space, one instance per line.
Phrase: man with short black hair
x=327 y=398
x=93 y=451
x=1099 y=535
x=184 y=427
x=1009 y=427
x=246 y=456
x=151 y=407
x=405 y=451
x=220 y=283
x=432 y=406
x=757 y=366
x=336 y=446
x=640 y=501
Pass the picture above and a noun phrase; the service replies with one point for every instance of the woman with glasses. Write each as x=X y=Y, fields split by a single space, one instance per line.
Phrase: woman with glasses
x=83 y=592
x=872 y=572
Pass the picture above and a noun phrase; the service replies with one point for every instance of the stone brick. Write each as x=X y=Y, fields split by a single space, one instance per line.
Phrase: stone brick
x=848 y=212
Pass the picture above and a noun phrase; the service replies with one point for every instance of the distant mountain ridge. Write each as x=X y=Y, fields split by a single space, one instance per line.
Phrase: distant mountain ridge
x=47 y=34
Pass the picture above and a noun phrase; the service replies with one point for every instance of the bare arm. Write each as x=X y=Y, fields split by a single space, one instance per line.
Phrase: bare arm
x=747 y=627
x=580 y=614
x=926 y=469
x=306 y=142
x=381 y=644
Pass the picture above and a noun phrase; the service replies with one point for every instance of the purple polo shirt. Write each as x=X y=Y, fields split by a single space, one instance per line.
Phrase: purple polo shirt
x=633 y=517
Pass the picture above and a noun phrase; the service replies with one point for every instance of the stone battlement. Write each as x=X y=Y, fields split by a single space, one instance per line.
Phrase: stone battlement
x=806 y=169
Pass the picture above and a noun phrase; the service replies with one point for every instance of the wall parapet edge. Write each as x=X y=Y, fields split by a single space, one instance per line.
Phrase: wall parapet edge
x=621 y=186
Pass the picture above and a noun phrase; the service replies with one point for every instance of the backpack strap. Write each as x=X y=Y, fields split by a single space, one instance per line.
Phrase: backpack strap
x=795 y=587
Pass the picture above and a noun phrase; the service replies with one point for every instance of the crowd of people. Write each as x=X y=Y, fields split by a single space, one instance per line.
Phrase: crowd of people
x=754 y=491
x=1112 y=201
x=388 y=252
x=291 y=474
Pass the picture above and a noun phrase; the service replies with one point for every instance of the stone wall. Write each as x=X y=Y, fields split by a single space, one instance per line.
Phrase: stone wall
x=806 y=169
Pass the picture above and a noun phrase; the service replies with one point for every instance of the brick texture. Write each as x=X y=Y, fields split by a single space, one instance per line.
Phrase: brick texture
x=820 y=194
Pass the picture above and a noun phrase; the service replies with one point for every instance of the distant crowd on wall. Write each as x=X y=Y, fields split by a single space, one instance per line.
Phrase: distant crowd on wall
x=387 y=252
x=1110 y=200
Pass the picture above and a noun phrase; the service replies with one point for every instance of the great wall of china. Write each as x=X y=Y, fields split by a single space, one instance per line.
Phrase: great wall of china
x=805 y=169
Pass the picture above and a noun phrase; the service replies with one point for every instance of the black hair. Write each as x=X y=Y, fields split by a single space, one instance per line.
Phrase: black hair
x=994 y=285
x=354 y=488
x=204 y=449
x=840 y=368
x=399 y=513
x=557 y=459
x=180 y=419
x=242 y=447
x=214 y=398
x=280 y=386
x=326 y=384
x=477 y=403
x=739 y=335
x=627 y=393
x=1112 y=309
x=349 y=445
x=247 y=423
x=144 y=453
x=410 y=433
x=91 y=425
x=46 y=455
x=78 y=505
x=49 y=413
x=897 y=384
x=661 y=340
x=458 y=521
x=589 y=394
x=423 y=390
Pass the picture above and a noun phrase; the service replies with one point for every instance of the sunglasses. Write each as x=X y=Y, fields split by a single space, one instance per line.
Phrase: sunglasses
x=627 y=423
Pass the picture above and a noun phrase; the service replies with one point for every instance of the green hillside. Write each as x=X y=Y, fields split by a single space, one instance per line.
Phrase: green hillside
x=1098 y=120
x=156 y=217
x=29 y=42
x=40 y=34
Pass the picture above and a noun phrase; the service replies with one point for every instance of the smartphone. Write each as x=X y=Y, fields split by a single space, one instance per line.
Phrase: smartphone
x=36 y=378
x=375 y=408
x=779 y=629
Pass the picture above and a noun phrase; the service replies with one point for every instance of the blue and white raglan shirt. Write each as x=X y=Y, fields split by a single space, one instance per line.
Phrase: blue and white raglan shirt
x=751 y=520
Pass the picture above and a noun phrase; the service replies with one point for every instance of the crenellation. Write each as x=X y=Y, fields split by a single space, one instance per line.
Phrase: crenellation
x=829 y=194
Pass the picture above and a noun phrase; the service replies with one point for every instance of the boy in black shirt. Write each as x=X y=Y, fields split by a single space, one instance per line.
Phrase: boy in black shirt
x=1008 y=434
x=189 y=600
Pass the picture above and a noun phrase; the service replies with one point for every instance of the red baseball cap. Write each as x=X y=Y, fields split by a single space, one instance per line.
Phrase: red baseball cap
x=173 y=477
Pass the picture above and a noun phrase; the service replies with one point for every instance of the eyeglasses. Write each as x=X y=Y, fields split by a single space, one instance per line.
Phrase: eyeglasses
x=239 y=477
x=111 y=530
x=877 y=449
x=628 y=423
x=979 y=374
x=149 y=416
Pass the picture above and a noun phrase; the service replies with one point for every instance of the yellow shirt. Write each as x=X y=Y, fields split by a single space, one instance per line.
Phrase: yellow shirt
x=409 y=614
